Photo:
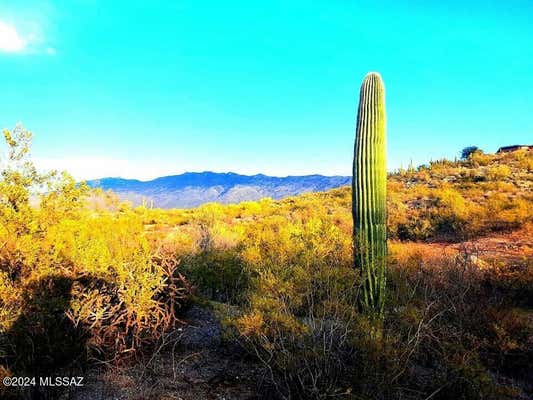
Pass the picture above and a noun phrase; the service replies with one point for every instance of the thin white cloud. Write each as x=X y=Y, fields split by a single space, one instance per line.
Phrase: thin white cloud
x=10 y=40
x=86 y=168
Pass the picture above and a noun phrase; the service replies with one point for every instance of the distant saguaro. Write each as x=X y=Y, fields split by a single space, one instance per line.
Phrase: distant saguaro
x=369 y=191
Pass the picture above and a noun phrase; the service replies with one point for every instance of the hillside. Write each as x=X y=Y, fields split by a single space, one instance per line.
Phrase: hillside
x=442 y=201
x=193 y=189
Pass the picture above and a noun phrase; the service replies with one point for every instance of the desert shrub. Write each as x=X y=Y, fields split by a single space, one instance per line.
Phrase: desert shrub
x=215 y=267
x=461 y=334
x=524 y=159
x=506 y=213
x=512 y=282
x=307 y=333
x=416 y=228
x=307 y=355
x=452 y=213
x=478 y=159
x=219 y=275
x=456 y=216
x=396 y=210
x=498 y=172
x=300 y=313
x=77 y=281
x=422 y=175
x=125 y=289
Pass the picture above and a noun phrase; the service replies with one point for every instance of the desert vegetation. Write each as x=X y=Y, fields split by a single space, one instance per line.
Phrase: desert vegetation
x=86 y=281
x=78 y=280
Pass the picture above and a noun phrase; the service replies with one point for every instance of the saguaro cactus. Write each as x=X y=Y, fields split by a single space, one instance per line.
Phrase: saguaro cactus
x=369 y=188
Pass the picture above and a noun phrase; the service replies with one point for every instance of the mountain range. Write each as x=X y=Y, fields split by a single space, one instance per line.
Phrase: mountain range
x=192 y=189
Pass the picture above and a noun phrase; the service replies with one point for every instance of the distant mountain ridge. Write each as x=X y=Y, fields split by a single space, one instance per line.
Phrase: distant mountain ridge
x=192 y=189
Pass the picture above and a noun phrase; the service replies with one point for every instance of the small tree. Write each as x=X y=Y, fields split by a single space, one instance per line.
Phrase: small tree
x=24 y=190
x=468 y=151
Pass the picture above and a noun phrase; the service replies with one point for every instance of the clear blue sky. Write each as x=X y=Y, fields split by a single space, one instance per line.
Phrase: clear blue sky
x=145 y=88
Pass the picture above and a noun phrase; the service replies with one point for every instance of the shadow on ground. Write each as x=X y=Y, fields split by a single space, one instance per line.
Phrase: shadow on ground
x=43 y=342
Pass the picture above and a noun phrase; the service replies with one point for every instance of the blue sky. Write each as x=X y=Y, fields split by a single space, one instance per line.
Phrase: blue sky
x=147 y=88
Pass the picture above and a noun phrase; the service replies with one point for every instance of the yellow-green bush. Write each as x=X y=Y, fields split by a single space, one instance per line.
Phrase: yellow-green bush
x=75 y=280
x=498 y=172
x=301 y=303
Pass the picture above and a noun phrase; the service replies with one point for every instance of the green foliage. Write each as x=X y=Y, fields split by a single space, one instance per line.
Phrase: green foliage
x=218 y=274
x=74 y=281
x=468 y=151
x=498 y=172
x=369 y=190
x=300 y=305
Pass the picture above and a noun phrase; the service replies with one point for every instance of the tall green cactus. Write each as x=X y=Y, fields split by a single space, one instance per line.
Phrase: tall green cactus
x=369 y=186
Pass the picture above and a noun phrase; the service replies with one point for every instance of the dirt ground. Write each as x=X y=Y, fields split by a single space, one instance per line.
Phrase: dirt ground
x=514 y=247
x=194 y=363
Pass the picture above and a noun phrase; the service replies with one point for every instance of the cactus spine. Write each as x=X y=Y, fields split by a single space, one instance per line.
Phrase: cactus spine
x=369 y=187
